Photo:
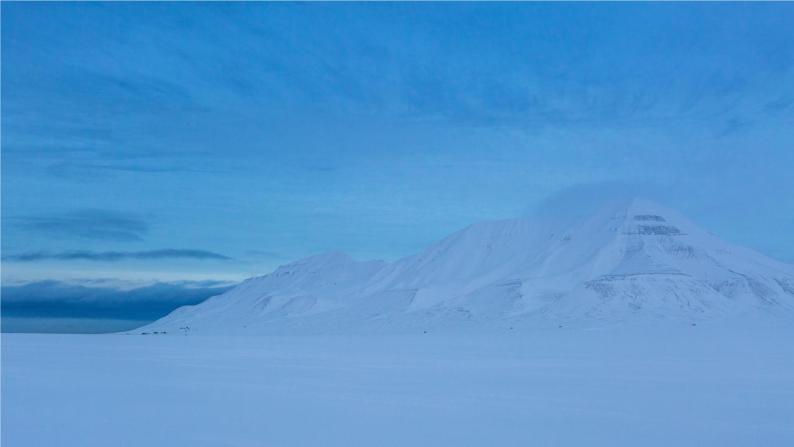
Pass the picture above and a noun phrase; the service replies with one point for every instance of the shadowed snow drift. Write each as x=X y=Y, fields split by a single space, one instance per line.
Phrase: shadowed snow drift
x=632 y=260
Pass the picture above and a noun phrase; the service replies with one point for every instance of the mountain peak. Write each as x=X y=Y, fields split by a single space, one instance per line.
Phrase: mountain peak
x=332 y=260
x=643 y=206
x=333 y=256
x=632 y=257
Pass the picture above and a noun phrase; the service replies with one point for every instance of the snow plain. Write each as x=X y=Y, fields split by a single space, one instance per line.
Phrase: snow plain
x=722 y=384
x=633 y=327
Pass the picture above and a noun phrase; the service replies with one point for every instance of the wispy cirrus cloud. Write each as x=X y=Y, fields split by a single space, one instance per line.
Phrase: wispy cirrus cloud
x=86 y=224
x=91 y=170
x=113 y=256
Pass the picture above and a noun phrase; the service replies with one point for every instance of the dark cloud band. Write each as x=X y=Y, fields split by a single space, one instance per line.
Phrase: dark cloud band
x=113 y=256
x=55 y=299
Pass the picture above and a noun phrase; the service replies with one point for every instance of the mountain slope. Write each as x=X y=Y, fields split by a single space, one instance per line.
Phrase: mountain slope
x=630 y=260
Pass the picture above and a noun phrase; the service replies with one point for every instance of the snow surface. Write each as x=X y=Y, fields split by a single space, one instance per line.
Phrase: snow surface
x=630 y=327
x=632 y=260
x=627 y=385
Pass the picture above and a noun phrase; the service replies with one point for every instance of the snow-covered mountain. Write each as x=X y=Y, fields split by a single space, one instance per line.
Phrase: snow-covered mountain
x=630 y=260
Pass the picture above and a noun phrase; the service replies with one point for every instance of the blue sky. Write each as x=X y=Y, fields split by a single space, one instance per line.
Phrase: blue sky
x=190 y=142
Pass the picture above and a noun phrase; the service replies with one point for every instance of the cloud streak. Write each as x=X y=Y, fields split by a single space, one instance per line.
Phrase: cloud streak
x=86 y=224
x=114 y=256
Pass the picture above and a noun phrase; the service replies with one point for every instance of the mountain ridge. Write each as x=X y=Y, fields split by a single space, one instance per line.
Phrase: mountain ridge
x=631 y=259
